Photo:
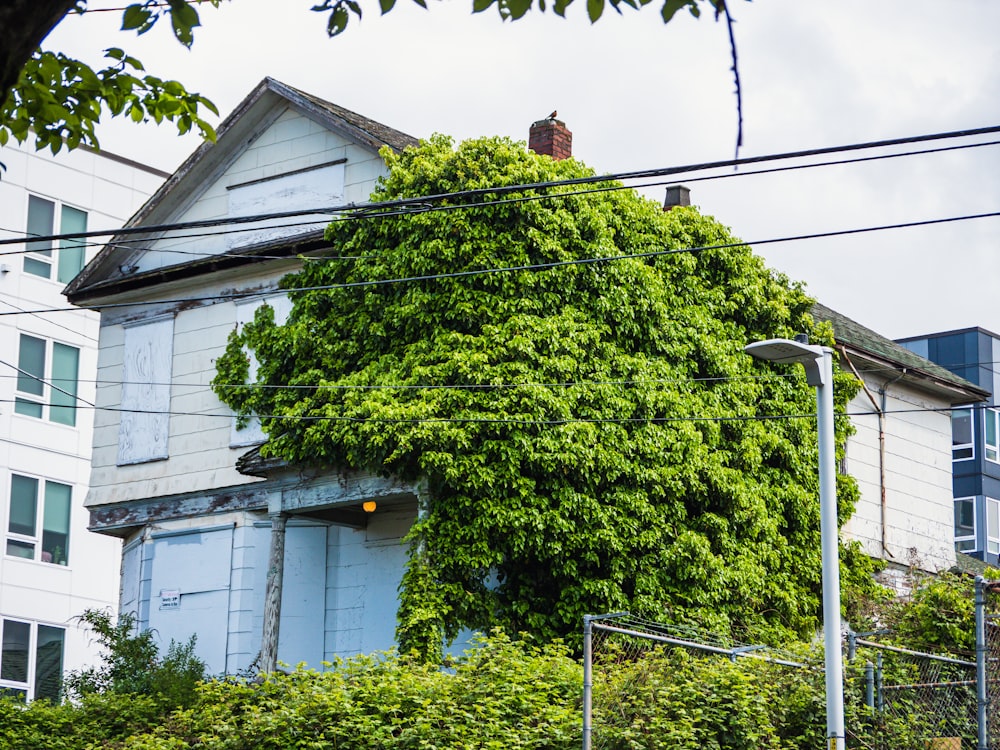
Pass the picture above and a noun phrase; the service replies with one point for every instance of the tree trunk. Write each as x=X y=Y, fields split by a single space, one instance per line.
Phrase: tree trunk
x=23 y=26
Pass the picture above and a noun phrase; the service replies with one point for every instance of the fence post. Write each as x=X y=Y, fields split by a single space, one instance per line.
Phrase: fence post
x=588 y=659
x=879 y=692
x=870 y=685
x=982 y=697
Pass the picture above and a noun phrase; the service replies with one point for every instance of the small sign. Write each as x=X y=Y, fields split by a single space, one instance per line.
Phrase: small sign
x=170 y=599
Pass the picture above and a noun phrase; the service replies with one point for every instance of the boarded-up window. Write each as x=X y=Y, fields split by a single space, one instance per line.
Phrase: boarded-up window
x=320 y=187
x=146 y=374
x=252 y=434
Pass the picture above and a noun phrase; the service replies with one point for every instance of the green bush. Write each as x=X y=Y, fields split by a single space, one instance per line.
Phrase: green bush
x=132 y=664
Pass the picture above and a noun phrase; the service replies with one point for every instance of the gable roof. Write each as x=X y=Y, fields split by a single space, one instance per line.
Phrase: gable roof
x=865 y=343
x=106 y=274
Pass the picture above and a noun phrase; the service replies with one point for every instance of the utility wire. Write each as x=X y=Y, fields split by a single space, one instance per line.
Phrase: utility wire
x=526 y=267
x=205 y=386
x=123 y=243
x=514 y=420
x=422 y=203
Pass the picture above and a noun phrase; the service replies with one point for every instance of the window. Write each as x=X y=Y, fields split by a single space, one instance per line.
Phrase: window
x=965 y=524
x=252 y=433
x=144 y=429
x=992 y=450
x=31 y=659
x=992 y=526
x=961 y=435
x=38 y=260
x=47 y=380
x=38 y=526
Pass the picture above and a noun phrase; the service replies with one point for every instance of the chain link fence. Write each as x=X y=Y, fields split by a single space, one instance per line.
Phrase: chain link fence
x=928 y=698
x=633 y=668
x=638 y=689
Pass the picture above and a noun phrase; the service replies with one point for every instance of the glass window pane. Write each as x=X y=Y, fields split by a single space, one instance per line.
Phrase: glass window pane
x=966 y=545
x=24 y=550
x=31 y=365
x=993 y=518
x=28 y=408
x=48 y=662
x=991 y=427
x=65 y=364
x=965 y=518
x=71 y=252
x=14 y=657
x=23 y=505
x=37 y=267
x=55 y=523
x=40 y=217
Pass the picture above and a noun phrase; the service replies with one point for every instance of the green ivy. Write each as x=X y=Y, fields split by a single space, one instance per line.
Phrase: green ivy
x=595 y=438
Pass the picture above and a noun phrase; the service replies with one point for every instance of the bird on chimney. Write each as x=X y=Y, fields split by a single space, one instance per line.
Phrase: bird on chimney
x=553 y=115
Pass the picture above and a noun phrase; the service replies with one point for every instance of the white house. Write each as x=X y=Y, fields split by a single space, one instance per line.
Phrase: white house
x=900 y=453
x=196 y=530
x=206 y=522
x=52 y=568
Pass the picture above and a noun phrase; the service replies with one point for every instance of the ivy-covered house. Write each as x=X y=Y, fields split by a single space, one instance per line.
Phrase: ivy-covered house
x=235 y=544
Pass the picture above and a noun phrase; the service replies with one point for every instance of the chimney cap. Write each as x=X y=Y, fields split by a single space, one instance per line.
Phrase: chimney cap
x=677 y=195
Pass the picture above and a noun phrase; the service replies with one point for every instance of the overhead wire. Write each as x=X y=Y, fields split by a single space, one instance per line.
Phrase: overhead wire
x=514 y=420
x=424 y=203
x=230 y=296
x=125 y=241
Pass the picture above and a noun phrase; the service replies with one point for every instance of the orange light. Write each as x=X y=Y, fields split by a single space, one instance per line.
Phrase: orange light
x=369 y=506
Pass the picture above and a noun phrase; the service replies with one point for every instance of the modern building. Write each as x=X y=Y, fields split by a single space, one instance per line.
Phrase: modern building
x=51 y=567
x=973 y=354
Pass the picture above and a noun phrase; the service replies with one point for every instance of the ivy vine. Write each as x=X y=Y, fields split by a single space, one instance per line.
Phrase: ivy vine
x=592 y=436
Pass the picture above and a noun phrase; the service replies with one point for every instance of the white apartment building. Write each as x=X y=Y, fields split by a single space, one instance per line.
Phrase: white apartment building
x=51 y=567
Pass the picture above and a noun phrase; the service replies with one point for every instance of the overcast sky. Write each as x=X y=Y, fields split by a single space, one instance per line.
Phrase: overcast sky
x=638 y=94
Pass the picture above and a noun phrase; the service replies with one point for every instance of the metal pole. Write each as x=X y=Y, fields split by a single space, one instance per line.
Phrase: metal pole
x=870 y=685
x=880 y=692
x=831 y=556
x=588 y=657
x=982 y=696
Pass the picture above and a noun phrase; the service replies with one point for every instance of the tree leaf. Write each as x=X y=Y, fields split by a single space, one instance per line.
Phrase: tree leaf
x=595 y=8
x=386 y=5
x=670 y=7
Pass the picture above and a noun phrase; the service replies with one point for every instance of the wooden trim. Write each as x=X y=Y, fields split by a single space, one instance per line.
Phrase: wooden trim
x=273 y=177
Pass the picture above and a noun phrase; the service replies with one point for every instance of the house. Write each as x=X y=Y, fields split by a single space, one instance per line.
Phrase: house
x=52 y=568
x=165 y=478
x=974 y=354
x=224 y=543
x=900 y=453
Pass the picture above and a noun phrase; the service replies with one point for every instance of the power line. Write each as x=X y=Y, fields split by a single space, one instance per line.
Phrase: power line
x=513 y=420
x=527 y=267
x=420 y=203
x=122 y=243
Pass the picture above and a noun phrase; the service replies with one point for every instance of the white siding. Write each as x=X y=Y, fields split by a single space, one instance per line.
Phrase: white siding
x=918 y=513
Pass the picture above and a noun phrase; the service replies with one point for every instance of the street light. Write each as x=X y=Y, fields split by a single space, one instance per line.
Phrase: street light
x=818 y=362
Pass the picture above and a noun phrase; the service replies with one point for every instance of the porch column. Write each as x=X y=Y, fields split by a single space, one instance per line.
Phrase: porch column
x=272 y=594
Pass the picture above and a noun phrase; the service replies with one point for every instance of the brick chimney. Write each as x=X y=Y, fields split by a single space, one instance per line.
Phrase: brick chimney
x=677 y=195
x=551 y=137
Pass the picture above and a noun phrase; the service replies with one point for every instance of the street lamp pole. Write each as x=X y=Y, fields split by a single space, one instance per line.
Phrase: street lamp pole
x=818 y=363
